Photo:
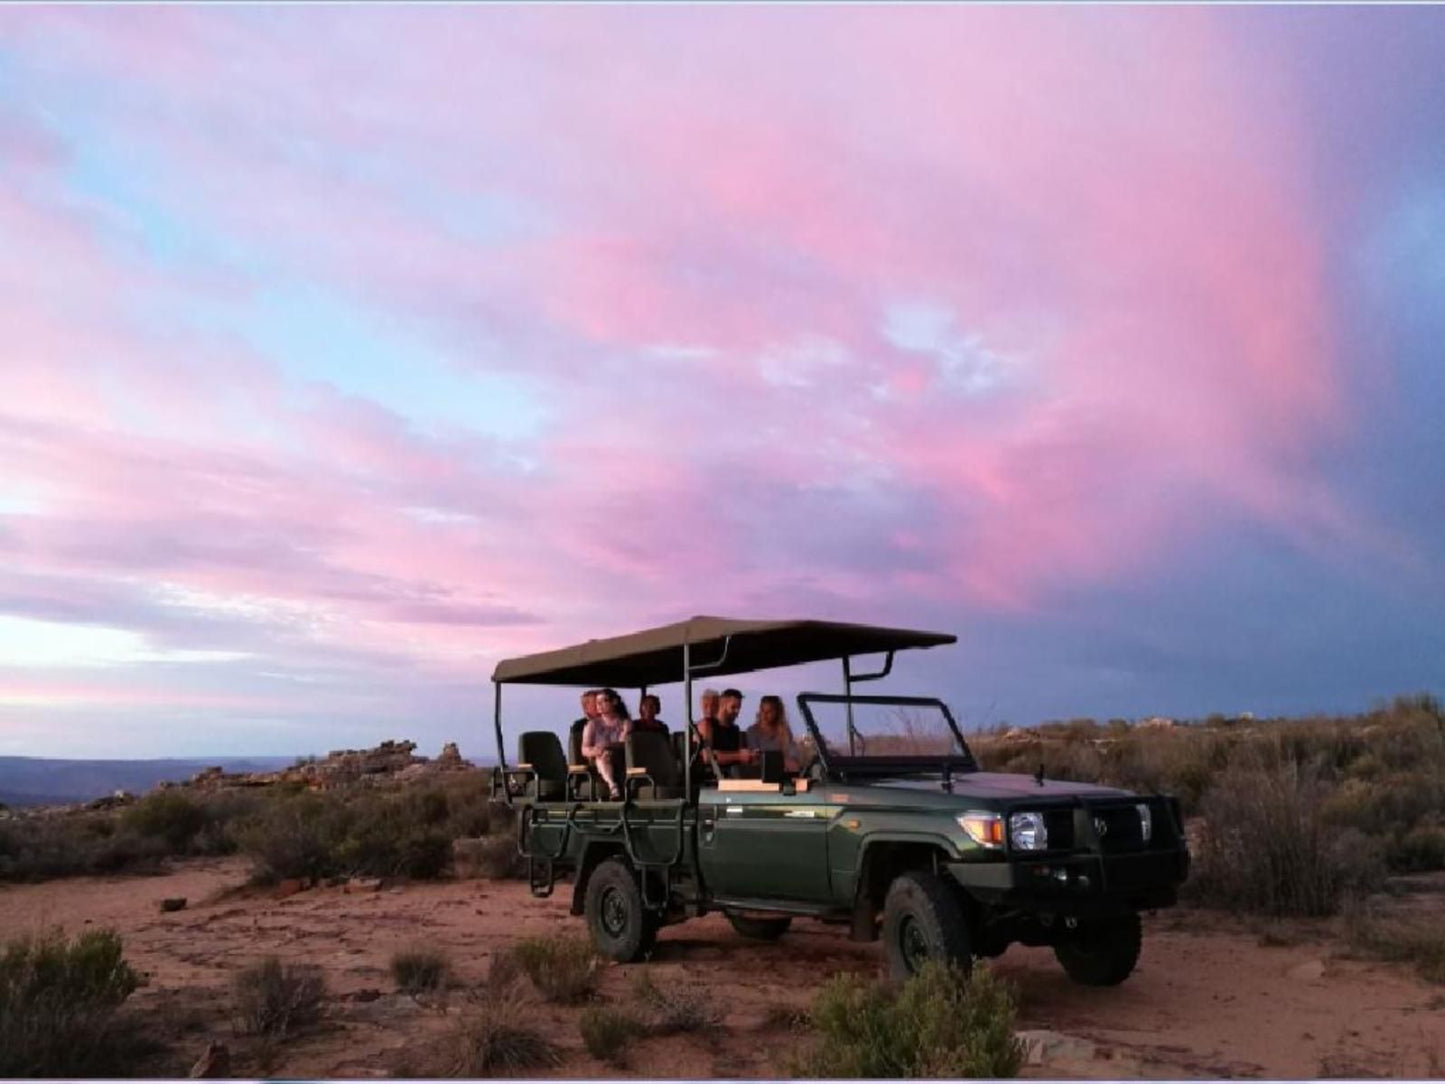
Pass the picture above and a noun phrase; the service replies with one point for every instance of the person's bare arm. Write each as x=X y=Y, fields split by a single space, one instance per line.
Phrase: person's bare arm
x=590 y=749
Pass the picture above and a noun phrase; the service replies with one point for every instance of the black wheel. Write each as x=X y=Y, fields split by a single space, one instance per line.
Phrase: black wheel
x=622 y=929
x=923 y=920
x=760 y=929
x=1102 y=951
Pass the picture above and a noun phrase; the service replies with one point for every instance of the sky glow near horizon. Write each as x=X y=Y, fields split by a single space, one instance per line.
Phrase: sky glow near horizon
x=344 y=351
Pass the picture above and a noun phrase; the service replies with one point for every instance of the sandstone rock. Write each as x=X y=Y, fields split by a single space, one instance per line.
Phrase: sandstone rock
x=363 y=884
x=451 y=756
x=173 y=903
x=1053 y=1048
x=1309 y=971
x=215 y=1062
x=289 y=887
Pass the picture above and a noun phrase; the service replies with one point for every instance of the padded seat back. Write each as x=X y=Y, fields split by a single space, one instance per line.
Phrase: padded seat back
x=542 y=749
x=574 y=743
x=652 y=752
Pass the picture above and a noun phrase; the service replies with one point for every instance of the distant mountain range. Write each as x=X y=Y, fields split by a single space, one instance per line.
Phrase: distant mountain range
x=26 y=781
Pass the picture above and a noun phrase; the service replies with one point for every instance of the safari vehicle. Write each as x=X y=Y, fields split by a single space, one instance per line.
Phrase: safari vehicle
x=890 y=827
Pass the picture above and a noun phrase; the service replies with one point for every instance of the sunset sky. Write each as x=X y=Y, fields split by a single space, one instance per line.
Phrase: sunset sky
x=345 y=350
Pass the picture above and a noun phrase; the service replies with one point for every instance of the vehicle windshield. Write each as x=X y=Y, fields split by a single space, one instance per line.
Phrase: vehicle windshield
x=882 y=728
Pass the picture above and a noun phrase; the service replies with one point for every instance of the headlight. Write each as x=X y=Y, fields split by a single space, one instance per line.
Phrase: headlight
x=1026 y=831
x=1146 y=822
x=985 y=829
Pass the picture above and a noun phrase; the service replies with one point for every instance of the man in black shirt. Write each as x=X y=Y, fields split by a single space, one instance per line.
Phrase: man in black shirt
x=725 y=737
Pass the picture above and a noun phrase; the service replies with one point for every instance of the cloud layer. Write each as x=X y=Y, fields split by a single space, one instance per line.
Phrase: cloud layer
x=354 y=350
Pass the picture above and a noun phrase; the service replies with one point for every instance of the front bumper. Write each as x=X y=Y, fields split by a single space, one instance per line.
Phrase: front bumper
x=1077 y=884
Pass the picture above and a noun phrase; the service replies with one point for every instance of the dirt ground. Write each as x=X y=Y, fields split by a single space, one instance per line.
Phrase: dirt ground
x=1210 y=996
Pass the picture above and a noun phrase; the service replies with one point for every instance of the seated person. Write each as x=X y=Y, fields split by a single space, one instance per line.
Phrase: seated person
x=609 y=728
x=647 y=709
x=725 y=738
x=771 y=733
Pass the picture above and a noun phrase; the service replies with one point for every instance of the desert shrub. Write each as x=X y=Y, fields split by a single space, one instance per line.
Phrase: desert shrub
x=493 y=857
x=170 y=815
x=786 y=1018
x=311 y=836
x=493 y=1040
x=503 y=975
x=940 y=1023
x=563 y=969
x=1267 y=848
x=1417 y=939
x=57 y=1003
x=606 y=1033
x=1418 y=850
x=676 y=1009
x=271 y=998
x=419 y=969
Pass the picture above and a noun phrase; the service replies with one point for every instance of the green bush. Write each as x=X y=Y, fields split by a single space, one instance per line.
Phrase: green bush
x=606 y=1033
x=419 y=969
x=563 y=969
x=57 y=1002
x=940 y=1023
x=169 y=815
x=273 y=999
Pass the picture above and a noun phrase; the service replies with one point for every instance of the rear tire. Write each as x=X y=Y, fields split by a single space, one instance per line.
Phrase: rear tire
x=1102 y=952
x=924 y=920
x=760 y=929
x=622 y=929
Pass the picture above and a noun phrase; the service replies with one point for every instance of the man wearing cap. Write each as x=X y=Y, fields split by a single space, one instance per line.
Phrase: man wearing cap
x=725 y=737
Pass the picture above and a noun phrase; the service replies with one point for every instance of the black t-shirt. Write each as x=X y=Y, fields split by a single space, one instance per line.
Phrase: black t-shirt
x=726 y=739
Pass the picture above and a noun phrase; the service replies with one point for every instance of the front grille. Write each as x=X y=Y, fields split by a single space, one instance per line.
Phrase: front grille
x=1117 y=827
x=1060 y=826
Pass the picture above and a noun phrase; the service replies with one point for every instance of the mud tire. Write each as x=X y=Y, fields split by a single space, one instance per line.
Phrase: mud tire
x=923 y=919
x=622 y=928
x=1102 y=952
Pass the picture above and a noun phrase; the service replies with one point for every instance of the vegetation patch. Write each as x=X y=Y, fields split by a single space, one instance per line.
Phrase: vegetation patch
x=1416 y=939
x=275 y=999
x=940 y=1023
x=58 y=999
x=418 y=970
x=563 y=969
x=492 y=1040
x=607 y=1033
x=676 y=1008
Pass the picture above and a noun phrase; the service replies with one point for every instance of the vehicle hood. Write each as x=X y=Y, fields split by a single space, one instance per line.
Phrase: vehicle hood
x=1004 y=786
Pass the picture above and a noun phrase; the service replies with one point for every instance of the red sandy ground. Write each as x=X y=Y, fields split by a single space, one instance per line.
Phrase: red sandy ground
x=1208 y=998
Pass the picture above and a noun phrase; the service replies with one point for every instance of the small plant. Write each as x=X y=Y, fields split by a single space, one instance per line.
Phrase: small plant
x=273 y=999
x=606 y=1033
x=940 y=1023
x=563 y=969
x=492 y=1041
x=57 y=1001
x=779 y=1017
x=419 y=969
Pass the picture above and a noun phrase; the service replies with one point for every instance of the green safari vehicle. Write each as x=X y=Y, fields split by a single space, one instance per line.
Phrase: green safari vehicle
x=886 y=824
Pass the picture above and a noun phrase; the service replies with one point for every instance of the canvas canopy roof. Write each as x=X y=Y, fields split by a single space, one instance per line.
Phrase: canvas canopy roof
x=655 y=656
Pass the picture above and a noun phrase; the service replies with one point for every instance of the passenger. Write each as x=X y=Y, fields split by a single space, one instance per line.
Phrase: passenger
x=608 y=729
x=709 y=707
x=589 y=708
x=771 y=733
x=647 y=709
x=725 y=737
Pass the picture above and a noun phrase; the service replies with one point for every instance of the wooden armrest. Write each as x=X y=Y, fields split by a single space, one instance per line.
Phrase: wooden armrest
x=748 y=785
x=523 y=767
x=578 y=769
x=634 y=772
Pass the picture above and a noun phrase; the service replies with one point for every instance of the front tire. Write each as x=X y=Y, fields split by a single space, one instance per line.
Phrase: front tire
x=1102 y=952
x=760 y=929
x=622 y=929
x=924 y=920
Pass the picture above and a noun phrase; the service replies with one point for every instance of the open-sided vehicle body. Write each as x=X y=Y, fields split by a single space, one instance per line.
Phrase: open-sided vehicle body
x=899 y=835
